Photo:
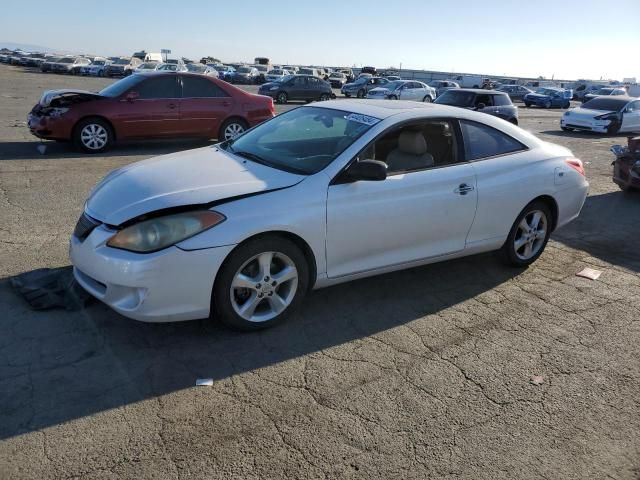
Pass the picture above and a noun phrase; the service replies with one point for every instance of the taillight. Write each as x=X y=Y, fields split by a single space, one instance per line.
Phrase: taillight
x=576 y=164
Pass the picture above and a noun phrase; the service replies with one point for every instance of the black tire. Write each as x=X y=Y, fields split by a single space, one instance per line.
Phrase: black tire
x=427 y=99
x=566 y=105
x=79 y=135
x=348 y=95
x=324 y=97
x=222 y=306
x=361 y=93
x=567 y=129
x=613 y=128
x=282 y=98
x=508 y=251
x=547 y=104
x=528 y=105
x=235 y=124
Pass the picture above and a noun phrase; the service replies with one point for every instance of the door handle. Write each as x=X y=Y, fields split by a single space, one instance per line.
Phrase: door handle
x=464 y=188
x=171 y=106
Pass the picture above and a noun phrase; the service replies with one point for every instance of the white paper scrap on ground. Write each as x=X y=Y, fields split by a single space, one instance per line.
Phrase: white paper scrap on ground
x=204 y=382
x=537 y=379
x=589 y=273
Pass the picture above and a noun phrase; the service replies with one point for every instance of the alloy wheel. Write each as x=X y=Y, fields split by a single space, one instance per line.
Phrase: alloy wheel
x=232 y=131
x=530 y=235
x=264 y=286
x=94 y=136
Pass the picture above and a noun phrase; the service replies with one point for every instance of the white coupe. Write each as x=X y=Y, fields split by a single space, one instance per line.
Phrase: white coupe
x=320 y=195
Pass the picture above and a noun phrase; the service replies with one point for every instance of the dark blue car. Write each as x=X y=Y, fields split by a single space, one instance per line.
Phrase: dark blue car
x=225 y=72
x=549 y=97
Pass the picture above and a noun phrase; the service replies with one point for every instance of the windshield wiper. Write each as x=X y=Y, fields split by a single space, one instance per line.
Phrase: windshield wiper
x=251 y=156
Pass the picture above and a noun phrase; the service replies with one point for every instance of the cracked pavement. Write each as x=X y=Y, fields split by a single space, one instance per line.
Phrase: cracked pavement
x=419 y=374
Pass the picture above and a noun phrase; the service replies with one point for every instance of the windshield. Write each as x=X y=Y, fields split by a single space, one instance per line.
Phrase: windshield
x=305 y=71
x=148 y=66
x=284 y=79
x=66 y=60
x=168 y=66
x=604 y=91
x=456 y=98
x=195 y=67
x=221 y=68
x=604 y=103
x=118 y=88
x=99 y=62
x=275 y=72
x=244 y=70
x=54 y=59
x=122 y=61
x=546 y=91
x=303 y=141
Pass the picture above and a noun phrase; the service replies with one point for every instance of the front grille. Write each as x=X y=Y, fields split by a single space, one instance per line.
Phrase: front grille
x=578 y=127
x=84 y=227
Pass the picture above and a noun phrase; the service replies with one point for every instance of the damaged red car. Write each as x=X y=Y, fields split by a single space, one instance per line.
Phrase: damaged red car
x=626 y=166
x=152 y=105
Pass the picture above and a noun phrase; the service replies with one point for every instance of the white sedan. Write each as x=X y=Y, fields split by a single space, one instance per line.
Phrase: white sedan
x=607 y=114
x=404 y=90
x=320 y=195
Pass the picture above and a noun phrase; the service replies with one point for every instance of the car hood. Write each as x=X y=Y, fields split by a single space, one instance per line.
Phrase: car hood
x=379 y=90
x=193 y=177
x=537 y=96
x=587 y=112
x=67 y=94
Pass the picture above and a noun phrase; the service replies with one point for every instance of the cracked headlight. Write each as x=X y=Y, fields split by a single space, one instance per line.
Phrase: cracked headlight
x=162 y=232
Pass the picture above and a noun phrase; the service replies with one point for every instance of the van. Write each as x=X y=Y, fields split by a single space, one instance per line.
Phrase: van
x=153 y=57
x=471 y=81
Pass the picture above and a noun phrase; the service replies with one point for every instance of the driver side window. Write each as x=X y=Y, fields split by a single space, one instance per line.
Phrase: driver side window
x=415 y=147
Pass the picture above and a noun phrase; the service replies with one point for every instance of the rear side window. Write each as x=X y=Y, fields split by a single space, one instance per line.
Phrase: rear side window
x=481 y=141
x=501 y=100
x=194 y=87
x=164 y=86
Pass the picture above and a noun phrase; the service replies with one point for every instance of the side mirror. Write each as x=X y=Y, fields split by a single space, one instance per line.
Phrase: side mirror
x=131 y=96
x=480 y=106
x=368 y=170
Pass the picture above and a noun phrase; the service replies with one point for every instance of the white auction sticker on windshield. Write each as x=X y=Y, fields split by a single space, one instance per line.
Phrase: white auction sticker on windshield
x=365 y=119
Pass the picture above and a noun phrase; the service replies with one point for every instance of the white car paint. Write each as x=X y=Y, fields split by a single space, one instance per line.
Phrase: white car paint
x=407 y=90
x=582 y=118
x=352 y=230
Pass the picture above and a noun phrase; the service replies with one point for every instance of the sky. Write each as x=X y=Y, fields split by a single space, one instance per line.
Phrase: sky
x=561 y=39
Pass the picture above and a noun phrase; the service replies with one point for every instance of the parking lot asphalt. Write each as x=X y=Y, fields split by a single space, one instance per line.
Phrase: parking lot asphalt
x=465 y=369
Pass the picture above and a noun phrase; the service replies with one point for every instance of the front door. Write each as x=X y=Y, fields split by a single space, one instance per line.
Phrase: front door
x=154 y=112
x=298 y=90
x=631 y=118
x=423 y=209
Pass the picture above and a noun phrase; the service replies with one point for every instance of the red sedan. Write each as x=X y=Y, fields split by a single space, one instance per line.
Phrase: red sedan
x=153 y=105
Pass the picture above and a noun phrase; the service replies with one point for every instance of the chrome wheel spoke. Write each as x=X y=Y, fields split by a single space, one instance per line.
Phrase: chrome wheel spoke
x=248 y=308
x=535 y=221
x=284 y=275
x=528 y=250
x=519 y=243
x=264 y=263
x=243 y=281
x=524 y=225
x=277 y=303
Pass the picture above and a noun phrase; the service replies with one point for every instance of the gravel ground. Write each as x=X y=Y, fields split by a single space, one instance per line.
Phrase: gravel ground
x=425 y=373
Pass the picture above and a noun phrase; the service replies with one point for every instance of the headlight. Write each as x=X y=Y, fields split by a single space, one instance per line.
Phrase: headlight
x=158 y=233
x=607 y=116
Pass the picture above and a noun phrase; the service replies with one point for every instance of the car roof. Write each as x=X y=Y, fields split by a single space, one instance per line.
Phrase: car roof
x=477 y=90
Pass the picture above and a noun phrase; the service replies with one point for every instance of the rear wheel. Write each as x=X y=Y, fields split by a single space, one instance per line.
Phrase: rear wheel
x=547 y=104
x=393 y=97
x=282 y=98
x=348 y=95
x=566 y=105
x=324 y=97
x=93 y=135
x=427 y=99
x=260 y=283
x=361 y=93
x=528 y=236
x=232 y=128
x=527 y=104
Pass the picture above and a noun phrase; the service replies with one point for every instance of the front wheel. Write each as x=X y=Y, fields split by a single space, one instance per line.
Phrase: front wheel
x=260 y=283
x=348 y=95
x=528 y=236
x=361 y=93
x=547 y=104
x=93 y=135
x=566 y=129
x=527 y=104
x=324 y=97
x=427 y=99
x=282 y=98
x=566 y=105
x=231 y=129
x=393 y=97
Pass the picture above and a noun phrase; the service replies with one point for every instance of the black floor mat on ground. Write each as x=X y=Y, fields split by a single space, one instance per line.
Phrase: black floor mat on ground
x=48 y=288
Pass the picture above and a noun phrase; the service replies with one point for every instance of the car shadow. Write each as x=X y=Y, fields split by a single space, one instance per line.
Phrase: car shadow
x=608 y=228
x=31 y=150
x=589 y=135
x=59 y=366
